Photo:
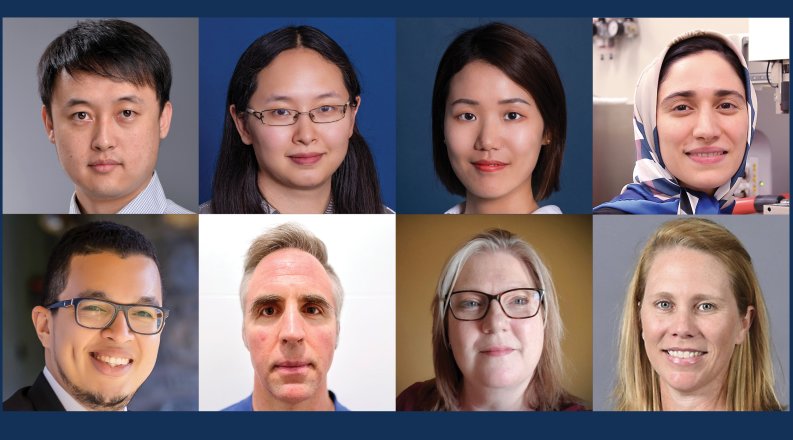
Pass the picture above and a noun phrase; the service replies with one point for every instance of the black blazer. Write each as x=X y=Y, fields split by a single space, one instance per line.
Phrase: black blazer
x=38 y=397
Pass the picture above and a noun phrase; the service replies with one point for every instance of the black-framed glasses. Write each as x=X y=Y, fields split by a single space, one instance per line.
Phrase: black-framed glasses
x=324 y=114
x=472 y=305
x=100 y=314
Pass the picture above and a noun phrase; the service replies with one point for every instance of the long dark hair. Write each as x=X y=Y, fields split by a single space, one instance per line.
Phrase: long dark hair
x=355 y=187
x=527 y=63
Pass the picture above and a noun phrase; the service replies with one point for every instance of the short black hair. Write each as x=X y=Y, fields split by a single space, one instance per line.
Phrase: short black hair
x=92 y=238
x=526 y=62
x=114 y=49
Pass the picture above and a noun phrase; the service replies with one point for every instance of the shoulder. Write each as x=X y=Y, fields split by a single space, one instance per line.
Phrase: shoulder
x=608 y=210
x=548 y=209
x=245 y=404
x=572 y=406
x=19 y=401
x=456 y=209
x=205 y=208
x=173 y=208
x=421 y=396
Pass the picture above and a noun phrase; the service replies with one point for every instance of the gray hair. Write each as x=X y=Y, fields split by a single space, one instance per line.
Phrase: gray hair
x=289 y=236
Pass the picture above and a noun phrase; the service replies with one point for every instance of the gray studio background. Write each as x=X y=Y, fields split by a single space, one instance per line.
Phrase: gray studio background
x=33 y=180
x=27 y=243
x=420 y=46
x=618 y=241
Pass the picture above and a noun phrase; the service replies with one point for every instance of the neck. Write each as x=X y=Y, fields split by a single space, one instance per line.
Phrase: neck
x=478 y=398
x=89 y=205
x=700 y=400
x=289 y=200
x=265 y=401
x=520 y=201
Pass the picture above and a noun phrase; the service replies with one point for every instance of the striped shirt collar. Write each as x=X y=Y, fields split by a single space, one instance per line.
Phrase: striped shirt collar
x=151 y=200
x=270 y=209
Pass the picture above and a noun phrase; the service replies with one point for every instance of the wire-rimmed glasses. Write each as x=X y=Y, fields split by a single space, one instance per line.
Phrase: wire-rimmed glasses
x=324 y=114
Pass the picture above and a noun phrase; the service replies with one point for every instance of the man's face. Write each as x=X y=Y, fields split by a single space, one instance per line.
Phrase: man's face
x=104 y=368
x=290 y=328
x=107 y=134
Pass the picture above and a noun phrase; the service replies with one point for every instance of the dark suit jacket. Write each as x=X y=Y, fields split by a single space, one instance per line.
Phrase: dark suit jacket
x=38 y=397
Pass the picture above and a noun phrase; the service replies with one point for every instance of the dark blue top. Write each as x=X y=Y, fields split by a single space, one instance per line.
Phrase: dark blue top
x=246 y=404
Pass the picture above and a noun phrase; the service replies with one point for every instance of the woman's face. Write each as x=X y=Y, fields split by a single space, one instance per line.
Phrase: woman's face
x=702 y=121
x=690 y=321
x=493 y=132
x=306 y=154
x=496 y=351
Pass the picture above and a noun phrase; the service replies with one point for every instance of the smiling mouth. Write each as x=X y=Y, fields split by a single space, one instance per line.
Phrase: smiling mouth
x=711 y=154
x=684 y=354
x=489 y=165
x=306 y=159
x=111 y=360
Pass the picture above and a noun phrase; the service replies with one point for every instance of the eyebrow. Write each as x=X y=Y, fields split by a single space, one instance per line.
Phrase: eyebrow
x=503 y=101
x=263 y=301
x=275 y=98
x=721 y=93
x=316 y=299
x=78 y=101
x=98 y=294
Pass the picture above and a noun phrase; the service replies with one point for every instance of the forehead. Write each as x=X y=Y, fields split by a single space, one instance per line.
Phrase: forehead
x=95 y=89
x=290 y=273
x=299 y=74
x=495 y=271
x=705 y=69
x=481 y=77
x=687 y=272
x=121 y=280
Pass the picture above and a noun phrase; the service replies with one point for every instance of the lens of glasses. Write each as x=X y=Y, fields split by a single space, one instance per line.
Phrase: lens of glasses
x=284 y=116
x=470 y=306
x=93 y=313
x=327 y=113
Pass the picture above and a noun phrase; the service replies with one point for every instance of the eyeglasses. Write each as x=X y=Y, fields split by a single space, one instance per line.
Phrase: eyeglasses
x=100 y=314
x=324 y=114
x=471 y=305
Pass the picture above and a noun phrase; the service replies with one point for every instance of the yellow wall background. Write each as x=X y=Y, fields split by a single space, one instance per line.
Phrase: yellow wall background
x=425 y=243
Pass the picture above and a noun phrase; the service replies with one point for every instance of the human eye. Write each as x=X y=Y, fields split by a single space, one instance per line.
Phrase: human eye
x=663 y=305
x=81 y=116
x=127 y=114
x=513 y=116
x=326 y=109
x=466 y=116
x=679 y=108
x=281 y=113
x=268 y=310
x=313 y=309
x=706 y=307
x=144 y=313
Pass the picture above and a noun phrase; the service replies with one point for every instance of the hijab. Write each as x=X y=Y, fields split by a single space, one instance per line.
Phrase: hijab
x=654 y=189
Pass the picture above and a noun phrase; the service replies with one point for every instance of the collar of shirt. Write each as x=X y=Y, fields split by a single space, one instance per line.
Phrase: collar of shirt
x=270 y=209
x=151 y=200
x=69 y=403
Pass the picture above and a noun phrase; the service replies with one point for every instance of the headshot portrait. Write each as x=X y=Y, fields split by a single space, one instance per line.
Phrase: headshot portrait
x=487 y=122
x=307 y=125
x=710 y=130
x=100 y=116
x=297 y=313
x=98 y=314
x=494 y=313
x=691 y=314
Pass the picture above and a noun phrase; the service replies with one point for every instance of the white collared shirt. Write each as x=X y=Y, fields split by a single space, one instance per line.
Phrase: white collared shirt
x=151 y=200
x=69 y=403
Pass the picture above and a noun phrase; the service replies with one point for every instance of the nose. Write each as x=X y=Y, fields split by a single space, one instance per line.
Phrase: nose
x=488 y=135
x=292 y=326
x=683 y=325
x=104 y=138
x=118 y=330
x=707 y=125
x=305 y=130
x=495 y=320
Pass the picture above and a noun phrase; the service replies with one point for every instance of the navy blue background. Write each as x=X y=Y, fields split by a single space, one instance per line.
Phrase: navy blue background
x=194 y=425
x=420 y=45
x=370 y=45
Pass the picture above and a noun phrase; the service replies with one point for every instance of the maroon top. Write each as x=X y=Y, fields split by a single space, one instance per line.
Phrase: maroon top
x=423 y=396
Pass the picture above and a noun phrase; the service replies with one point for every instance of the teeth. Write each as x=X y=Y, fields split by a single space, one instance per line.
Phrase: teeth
x=112 y=361
x=684 y=354
x=707 y=154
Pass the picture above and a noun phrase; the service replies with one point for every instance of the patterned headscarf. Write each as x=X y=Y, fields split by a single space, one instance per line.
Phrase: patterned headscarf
x=654 y=189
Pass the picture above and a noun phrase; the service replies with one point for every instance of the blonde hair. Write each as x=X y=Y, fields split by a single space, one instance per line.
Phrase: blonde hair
x=750 y=378
x=545 y=392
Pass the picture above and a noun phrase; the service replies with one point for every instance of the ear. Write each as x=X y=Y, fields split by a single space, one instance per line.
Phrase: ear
x=353 y=113
x=165 y=119
x=242 y=128
x=546 y=138
x=42 y=323
x=48 y=127
x=244 y=339
x=746 y=324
